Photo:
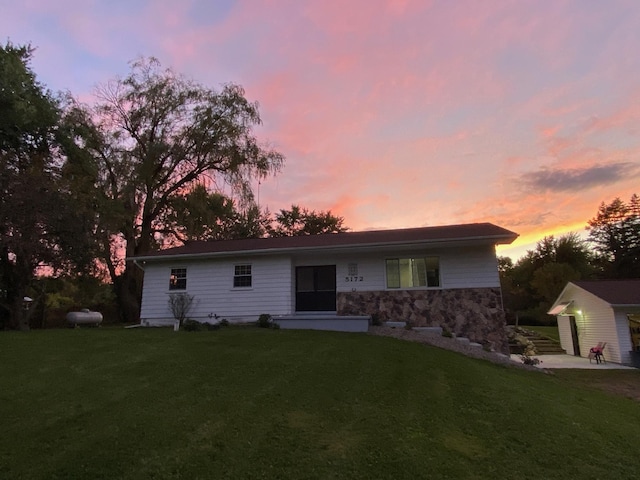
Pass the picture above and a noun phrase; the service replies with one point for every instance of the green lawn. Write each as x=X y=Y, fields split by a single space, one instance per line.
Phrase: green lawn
x=247 y=403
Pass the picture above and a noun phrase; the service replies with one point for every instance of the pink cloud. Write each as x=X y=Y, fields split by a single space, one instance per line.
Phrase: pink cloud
x=393 y=113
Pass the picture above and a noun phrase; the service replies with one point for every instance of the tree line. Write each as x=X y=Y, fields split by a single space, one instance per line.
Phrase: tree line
x=611 y=251
x=146 y=166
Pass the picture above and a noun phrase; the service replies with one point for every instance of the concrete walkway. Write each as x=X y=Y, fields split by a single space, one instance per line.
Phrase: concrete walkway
x=570 y=361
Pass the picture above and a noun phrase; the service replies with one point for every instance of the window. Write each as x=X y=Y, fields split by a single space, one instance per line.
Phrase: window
x=413 y=272
x=178 y=279
x=242 y=276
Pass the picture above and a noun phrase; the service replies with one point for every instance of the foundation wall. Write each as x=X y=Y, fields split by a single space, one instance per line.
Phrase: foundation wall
x=474 y=313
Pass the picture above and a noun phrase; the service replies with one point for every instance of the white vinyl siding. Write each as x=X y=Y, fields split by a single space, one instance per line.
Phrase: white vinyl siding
x=469 y=267
x=211 y=284
x=624 y=335
x=272 y=290
x=595 y=323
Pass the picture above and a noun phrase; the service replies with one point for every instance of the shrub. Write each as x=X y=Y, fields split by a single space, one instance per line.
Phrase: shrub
x=192 y=325
x=376 y=320
x=446 y=333
x=264 y=321
x=180 y=304
x=528 y=360
x=224 y=322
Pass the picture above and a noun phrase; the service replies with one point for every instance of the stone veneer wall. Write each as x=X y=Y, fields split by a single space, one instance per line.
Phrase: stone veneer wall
x=474 y=313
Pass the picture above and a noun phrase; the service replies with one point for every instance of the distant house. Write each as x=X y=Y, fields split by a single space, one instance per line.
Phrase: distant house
x=443 y=276
x=590 y=312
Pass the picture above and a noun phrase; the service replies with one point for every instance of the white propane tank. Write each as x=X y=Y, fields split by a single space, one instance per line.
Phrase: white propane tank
x=84 y=317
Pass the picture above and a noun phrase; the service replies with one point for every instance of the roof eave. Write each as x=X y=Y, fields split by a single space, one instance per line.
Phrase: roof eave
x=492 y=239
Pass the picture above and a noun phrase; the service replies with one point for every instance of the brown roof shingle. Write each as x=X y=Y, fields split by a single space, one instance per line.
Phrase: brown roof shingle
x=472 y=231
x=614 y=292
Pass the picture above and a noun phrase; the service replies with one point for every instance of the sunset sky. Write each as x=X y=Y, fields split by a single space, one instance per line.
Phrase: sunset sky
x=392 y=113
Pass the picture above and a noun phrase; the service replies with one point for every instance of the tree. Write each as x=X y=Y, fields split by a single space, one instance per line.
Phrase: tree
x=301 y=221
x=36 y=148
x=615 y=235
x=180 y=305
x=199 y=215
x=533 y=283
x=157 y=136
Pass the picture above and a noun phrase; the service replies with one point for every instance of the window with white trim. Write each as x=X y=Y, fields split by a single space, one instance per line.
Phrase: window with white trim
x=242 y=276
x=413 y=272
x=178 y=279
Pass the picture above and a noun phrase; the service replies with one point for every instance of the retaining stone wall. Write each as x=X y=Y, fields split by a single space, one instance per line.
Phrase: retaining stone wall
x=474 y=313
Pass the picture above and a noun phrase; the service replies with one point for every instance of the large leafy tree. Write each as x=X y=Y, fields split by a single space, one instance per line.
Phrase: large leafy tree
x=615 y=235
x=301 y=221
x=157 y=136
x=534 y=282
x=204 y=215
x=37 y=228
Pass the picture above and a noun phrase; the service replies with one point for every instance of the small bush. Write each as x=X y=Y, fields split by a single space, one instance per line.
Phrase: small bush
x=192 y=326
x=264 y=321
x=528 y=360
x=447 y=333
x=224 y=322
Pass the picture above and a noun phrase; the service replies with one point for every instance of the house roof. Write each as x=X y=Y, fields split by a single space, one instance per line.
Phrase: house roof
x=473 y=232
x=614 y=292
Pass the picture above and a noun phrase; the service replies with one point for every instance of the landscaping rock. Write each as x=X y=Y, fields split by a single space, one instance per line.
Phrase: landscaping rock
x=450 y=344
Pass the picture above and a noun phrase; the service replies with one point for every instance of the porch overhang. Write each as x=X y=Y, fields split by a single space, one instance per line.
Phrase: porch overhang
x=560 y=308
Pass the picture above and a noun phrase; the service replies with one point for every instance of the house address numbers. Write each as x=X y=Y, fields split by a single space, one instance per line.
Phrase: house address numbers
x=354 y=278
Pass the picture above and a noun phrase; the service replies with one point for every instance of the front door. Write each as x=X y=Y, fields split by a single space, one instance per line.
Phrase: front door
x=316 y=288
x=574 y=336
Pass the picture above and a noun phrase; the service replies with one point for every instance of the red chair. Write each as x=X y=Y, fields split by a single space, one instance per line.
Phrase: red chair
x=597 y=352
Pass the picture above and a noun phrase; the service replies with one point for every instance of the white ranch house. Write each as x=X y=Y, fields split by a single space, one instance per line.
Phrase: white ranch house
x=444 y=276
x=590 y=312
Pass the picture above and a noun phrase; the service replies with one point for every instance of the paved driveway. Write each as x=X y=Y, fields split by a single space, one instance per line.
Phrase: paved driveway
x=570 y=361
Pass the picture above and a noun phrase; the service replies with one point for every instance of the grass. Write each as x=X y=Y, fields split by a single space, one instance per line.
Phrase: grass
x=254 y=403
x=550 y=332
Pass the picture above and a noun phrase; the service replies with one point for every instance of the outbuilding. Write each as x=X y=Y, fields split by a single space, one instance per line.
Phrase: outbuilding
x=443 y=276
x=592 y=312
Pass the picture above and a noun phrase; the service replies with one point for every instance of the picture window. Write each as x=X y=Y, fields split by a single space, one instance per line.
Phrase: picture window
x=413 y=272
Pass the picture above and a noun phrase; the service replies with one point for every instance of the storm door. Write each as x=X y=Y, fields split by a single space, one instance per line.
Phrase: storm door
x=316 y=288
